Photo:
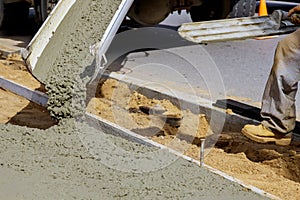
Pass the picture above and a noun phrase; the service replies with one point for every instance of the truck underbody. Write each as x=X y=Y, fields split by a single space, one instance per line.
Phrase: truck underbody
x=144 y=12
x=151 y=12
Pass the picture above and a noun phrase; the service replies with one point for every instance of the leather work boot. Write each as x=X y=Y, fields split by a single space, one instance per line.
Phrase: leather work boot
x=261 y=134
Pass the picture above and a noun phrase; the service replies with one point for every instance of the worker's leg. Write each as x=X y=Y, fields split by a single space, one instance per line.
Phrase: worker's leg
x=278 y=104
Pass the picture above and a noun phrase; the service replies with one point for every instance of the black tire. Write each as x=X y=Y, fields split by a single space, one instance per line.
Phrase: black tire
x=43 y=8
x=15 y=15
x=242 y=8
x=40 y=11
x=149 y=12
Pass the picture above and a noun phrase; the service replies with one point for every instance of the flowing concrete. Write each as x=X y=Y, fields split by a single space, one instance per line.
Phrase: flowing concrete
x=64 y=59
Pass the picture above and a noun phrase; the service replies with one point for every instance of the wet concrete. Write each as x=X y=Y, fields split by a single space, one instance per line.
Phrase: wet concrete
x=55 y=164
x=65 y=64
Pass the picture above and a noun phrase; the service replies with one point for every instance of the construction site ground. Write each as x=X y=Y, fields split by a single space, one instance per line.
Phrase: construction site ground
x=272 y=168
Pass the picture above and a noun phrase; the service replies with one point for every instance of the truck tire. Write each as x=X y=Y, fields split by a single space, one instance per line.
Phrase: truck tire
x=40 y=7
x=1 y=12
x=43 y=8
x=242 y=8
x=220 y=9
x=149 y=12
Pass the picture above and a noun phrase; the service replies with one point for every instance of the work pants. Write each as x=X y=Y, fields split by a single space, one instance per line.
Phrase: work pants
x=278 y=103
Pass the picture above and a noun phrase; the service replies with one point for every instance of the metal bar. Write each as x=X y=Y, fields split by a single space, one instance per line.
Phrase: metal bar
x=32 y=95
x=202 y=152
x=280 y=4
x=239 y=108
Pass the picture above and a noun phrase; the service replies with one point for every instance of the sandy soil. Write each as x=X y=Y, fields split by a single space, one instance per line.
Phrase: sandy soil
x=16 y=109
x=269 y=167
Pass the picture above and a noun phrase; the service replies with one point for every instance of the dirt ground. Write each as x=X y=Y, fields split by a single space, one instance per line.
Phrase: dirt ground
x=16 y=109
x=269 y=167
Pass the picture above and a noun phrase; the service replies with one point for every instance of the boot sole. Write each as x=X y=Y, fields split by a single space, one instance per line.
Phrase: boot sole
x=278 y=141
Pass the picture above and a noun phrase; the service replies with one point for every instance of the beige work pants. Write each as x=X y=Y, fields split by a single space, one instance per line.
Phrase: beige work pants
x=278 y=104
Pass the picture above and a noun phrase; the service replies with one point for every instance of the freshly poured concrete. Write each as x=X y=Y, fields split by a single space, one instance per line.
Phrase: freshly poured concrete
x=54 y=164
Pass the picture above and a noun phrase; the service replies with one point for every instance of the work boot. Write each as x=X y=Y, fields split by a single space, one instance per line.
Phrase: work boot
x=261 y=134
